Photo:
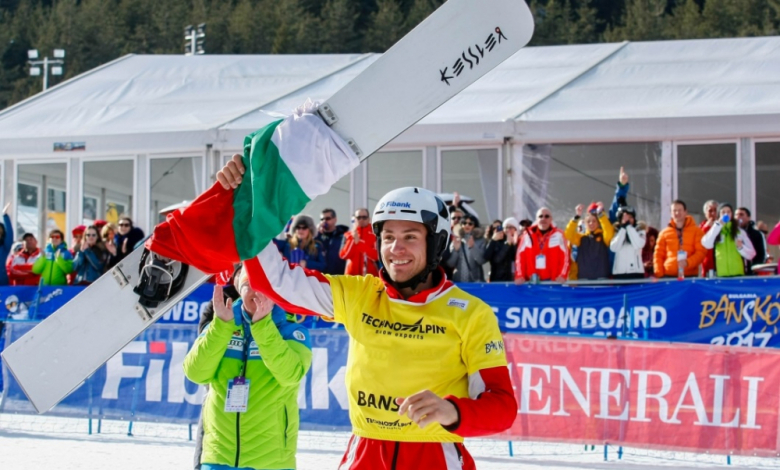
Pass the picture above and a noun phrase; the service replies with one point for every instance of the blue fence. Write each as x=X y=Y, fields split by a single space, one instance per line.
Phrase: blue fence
x=146 y=383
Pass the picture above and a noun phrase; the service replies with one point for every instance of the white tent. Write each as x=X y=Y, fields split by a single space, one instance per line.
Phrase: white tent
x=626 y=92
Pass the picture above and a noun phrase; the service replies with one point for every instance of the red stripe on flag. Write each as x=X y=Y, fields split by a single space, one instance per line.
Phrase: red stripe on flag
x=259 y=281
x=200 y=235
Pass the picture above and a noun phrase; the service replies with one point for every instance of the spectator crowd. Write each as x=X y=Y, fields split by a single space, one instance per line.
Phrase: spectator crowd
x=92 y=251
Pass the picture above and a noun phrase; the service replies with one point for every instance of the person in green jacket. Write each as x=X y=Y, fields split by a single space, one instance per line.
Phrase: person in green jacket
x=730 y=242
x=56 y=262
x=250 y=349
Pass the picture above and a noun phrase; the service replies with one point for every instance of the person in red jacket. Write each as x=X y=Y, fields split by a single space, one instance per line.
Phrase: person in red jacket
x=359 y=246
x=542 y=251
x=711 y=216
x=20 y=265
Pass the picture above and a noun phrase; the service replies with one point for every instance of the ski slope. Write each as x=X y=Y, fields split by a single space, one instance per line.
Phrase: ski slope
x=32 y=442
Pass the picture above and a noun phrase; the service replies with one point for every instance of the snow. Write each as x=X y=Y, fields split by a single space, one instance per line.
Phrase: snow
x=33 y=442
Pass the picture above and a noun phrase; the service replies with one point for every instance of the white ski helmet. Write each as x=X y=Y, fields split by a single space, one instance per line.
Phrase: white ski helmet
x=421 y=206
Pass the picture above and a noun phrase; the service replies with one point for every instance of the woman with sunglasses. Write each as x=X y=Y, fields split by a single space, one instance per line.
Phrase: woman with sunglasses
x=56 y=262
x=90 y=261
x=467 y=252
x=301 y=247
x=126 y=238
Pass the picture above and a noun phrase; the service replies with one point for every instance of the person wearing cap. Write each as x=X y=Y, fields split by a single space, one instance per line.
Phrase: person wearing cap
x=593 y=244
x=77 y=235
x=301 y=247
x=426 y=365
x=710 y=211
x=501 y=250
x=56 y=263
x=21 y=263
x=467 y=251
x=731 y=244
x=627 y=245
x=253 y=356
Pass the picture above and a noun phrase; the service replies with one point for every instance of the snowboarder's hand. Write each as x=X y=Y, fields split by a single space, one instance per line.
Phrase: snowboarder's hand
x=231 y=174
x=223 y=308
x=623 y=177
x=426 y=407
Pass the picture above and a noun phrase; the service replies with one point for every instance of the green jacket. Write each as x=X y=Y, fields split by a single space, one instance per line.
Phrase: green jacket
x=266 y=435
x=54 y=265
x=728 y=258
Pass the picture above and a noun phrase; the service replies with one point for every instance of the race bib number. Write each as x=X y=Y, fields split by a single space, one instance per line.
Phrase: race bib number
x=237 y=397
x=541 y=262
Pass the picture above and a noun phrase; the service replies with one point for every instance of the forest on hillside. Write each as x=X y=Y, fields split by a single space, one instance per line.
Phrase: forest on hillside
x=94 y=32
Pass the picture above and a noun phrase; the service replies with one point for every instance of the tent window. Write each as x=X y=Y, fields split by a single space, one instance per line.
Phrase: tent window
x=35 y=213
x=108 y=190
x=704 y=172
x=767 y=175
x=474 y=174
x=172 y=181
x=392 y=170
x=561 y=176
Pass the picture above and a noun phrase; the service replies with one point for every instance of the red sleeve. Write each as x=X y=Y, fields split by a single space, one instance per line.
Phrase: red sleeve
x=370 y=246
x=346 y=246
x=493 y=408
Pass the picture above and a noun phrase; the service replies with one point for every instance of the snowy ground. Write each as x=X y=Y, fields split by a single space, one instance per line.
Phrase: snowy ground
x=31 y=442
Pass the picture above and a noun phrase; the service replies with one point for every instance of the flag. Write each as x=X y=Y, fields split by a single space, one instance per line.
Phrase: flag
x=288 y=163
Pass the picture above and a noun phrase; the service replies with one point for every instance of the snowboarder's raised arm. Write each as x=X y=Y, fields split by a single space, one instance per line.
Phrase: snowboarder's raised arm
x=284 y=166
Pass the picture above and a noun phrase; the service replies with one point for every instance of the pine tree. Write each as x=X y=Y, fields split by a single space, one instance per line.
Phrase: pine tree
x=685 y=21
x=385 y=27
x=337 y=28
x=643 y=21
x=419 y=10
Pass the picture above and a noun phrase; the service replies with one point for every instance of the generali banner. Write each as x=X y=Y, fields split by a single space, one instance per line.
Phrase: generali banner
x=655 y=395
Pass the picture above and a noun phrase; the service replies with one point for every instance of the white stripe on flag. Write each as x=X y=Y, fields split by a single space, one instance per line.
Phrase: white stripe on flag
x=315 y=155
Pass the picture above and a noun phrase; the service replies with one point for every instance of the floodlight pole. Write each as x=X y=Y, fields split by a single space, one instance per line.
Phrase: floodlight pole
x=46 y=62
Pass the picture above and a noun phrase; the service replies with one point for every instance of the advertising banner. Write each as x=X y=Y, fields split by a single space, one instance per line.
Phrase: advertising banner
x=653 y=395
x=738 y=312
x=146 y=382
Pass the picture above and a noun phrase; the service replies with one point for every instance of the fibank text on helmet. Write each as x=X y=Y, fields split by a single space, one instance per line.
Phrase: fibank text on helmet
x=396 y=204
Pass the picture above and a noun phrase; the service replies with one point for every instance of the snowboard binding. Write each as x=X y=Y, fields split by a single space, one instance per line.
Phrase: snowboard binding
x=160 y=279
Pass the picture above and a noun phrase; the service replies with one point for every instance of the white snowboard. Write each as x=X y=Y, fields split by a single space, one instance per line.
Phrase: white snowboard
x=456 y=45
x=63 y=350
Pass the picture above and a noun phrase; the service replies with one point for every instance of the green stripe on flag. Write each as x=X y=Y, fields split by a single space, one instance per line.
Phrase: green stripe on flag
x=267 y=197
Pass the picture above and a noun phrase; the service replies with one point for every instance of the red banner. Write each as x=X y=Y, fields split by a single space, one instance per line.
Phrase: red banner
x=655 y=395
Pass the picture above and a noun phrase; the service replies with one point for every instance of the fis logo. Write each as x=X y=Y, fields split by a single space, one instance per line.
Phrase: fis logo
x=497 y=346
x=397 y=424
x=379 y=402
x=394 y=204
x=403 y=330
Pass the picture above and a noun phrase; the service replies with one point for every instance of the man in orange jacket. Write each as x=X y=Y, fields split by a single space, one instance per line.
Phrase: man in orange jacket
x=359 y=246
x=679 y=245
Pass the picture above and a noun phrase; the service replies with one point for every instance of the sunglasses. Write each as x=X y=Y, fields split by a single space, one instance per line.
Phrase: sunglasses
x=468 y=223
x=92 y=235
x=544 y=216
x=301 y=227
x=55 y=237
x=124 y=225
x=362 y=217
x=325 y=218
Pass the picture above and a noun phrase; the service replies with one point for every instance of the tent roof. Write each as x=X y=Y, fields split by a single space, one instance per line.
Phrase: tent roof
x=602 y=92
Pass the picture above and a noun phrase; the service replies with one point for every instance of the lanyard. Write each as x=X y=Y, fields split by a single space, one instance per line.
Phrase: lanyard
x=543 y=241
x=238 y=318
